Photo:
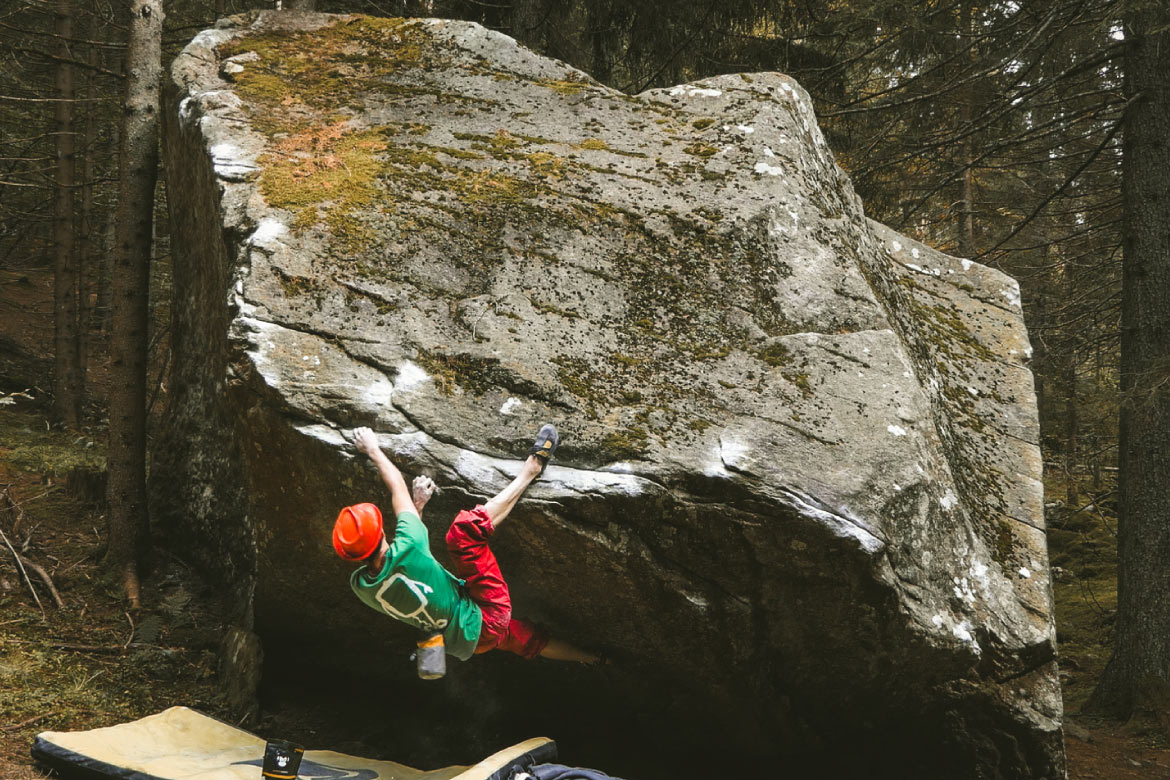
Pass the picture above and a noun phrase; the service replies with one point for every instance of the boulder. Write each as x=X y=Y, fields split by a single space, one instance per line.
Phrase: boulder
x=798 y=496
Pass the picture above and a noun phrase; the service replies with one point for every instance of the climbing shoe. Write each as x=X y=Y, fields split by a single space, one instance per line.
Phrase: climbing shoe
x=545 y=446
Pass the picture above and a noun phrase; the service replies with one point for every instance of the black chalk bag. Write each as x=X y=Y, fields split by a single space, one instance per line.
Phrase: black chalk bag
x=282 y=759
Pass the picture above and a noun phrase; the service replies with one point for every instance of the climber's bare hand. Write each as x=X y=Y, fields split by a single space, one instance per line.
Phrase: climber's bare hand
x=421 y=491
x=365 y=440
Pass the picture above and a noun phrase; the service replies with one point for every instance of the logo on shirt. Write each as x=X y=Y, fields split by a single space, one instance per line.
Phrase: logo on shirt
x=411 y=587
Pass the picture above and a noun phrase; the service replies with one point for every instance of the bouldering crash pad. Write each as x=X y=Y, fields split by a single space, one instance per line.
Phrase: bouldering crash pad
x=182 y=744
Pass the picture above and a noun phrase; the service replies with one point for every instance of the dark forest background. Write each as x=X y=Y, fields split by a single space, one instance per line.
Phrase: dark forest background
x=995 y=131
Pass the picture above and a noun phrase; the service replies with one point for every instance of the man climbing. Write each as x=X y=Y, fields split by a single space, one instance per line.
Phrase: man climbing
x=402 y=579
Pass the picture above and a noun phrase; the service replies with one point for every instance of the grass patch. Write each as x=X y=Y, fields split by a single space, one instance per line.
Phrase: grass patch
x=26 y=444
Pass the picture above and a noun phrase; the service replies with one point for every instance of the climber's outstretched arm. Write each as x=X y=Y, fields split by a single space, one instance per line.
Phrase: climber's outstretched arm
x=365 y=440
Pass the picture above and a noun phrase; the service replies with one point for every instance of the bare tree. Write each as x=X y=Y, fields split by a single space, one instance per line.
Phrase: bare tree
x=67 y=383
x=138 y=175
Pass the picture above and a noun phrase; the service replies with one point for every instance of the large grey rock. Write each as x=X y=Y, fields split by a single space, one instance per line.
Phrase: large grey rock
x=799 y=492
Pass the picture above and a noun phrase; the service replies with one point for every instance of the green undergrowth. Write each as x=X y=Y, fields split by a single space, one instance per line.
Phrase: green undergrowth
x=92 y=662
x=1082 y=550
x=28 y=444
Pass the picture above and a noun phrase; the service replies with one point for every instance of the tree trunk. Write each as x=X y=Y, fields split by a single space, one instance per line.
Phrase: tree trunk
x=66 y=368
x=1071 y=427
x=1037 y=319
x=138 y=173
x=599 y=24
x=528 y=18
x=967 y=207
x=966 y=242
x=103 y=315
x=86 y=282
x=1138 y=674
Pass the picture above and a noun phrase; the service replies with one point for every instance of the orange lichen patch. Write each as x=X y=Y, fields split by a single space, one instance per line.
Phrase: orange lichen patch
x=332 y=166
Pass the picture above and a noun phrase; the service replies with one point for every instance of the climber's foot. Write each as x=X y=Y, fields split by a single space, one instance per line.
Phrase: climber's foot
x=546 y=444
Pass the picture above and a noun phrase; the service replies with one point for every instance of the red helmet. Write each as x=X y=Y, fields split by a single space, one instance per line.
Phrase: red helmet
x=357 y=532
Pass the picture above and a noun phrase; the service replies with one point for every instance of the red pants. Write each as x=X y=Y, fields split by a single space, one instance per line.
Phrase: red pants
x=467 y=542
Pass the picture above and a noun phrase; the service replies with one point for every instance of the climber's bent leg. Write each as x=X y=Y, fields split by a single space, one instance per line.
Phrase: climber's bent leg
x=475 y=563
x=524 y=639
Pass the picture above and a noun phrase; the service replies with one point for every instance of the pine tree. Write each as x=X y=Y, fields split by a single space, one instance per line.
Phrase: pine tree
x=1137 y=677
x=138 y=174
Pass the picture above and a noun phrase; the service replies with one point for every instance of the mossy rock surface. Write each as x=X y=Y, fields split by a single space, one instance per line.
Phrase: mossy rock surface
x=800 y=476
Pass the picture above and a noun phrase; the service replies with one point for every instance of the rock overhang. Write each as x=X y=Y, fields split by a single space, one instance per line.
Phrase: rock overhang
x=459 y=240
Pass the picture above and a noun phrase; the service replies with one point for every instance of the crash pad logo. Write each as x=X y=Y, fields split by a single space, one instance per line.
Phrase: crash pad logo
x=311 y=770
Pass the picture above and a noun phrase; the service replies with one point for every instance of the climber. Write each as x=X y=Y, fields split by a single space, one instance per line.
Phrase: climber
x=402 y=579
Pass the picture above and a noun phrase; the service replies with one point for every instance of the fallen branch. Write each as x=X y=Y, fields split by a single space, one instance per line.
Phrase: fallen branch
x=28 y=722
x=7 y=399
x=24 y=574
x=42 y=494
x=80 y=648
x=101 y=649
x=44 y=575
x=13 y=507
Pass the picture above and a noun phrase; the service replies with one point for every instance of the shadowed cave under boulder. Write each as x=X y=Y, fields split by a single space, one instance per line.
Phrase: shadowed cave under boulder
x=798 y=497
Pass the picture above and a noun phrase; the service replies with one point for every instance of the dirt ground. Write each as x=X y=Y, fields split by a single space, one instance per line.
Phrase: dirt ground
x=1113 y=754
x=91 y=662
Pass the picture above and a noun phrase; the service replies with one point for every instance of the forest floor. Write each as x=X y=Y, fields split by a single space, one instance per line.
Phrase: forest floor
x=92 y=663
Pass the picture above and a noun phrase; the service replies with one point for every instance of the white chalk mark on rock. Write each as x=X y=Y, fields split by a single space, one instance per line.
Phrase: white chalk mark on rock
x=410 y=376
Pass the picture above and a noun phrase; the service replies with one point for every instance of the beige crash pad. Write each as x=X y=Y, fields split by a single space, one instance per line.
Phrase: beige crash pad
x=182 y=744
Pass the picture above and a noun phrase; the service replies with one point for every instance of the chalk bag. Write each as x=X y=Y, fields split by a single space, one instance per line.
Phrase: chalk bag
x=431 y=657
x=282 y=760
